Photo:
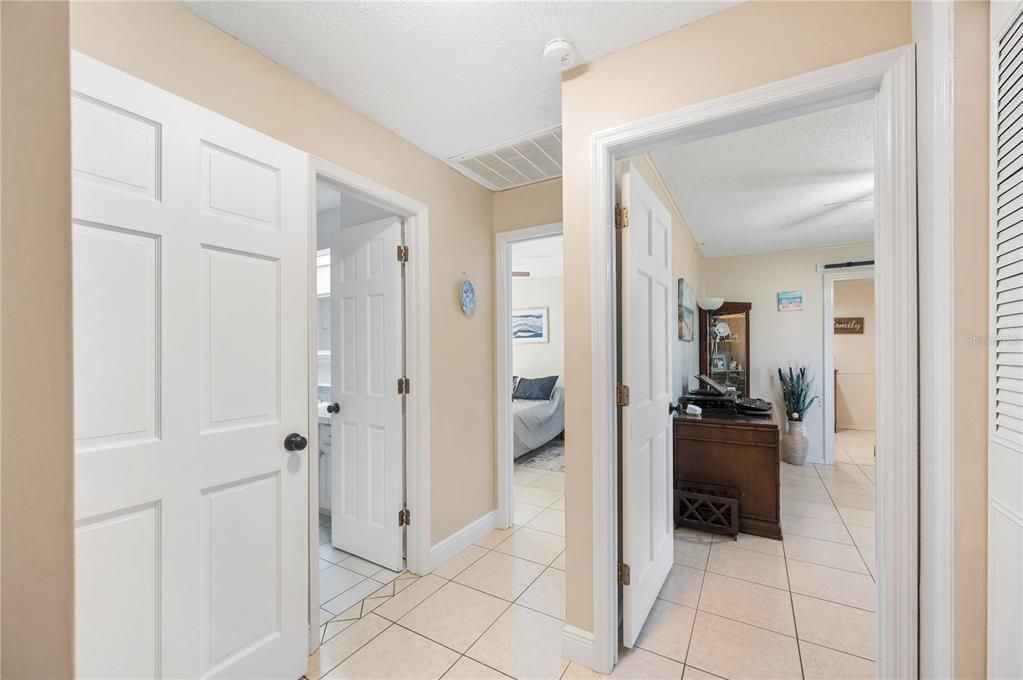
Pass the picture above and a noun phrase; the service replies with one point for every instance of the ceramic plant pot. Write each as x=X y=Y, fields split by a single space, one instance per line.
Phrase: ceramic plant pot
x=794 y=443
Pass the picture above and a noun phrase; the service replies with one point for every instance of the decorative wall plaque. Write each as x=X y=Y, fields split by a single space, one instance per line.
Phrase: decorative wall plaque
x=849 y=325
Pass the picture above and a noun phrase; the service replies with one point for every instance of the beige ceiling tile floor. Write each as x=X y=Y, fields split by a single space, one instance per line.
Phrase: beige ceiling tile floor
x=634 y=664
x=344 y=644
x=693 y=673
x=469 y=669
x=550 y=520
x=403 y=602
x=815 y=528
x=856 y=517
x=454 y=616
x=500 y=575
x=397 y=653
x=546 y=594
x=768 y=546
x=667 y=630
x=738 y=650
x=682 y=586
x=495 y=537
x=533 y=545
x=559 y=563
x=536 y=495
x=554 y=481
x=811 y=509
x=768 y=570
x=524 y=513
x=836 y=626
x=827 y=553
x=834 y=585
x=860 y=501
x=691 y=553
x=752 y=603
x=802 y=493
x=821 y=663
x=522 y=643
x=460 y=562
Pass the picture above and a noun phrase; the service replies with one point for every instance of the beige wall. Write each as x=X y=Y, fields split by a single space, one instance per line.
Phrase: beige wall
x=539 y=359
x=36 y=591
x=778 y=339
x=749 y=45
x=854 y=356
x=528 y=206
x=166 y=45
x=970 y=314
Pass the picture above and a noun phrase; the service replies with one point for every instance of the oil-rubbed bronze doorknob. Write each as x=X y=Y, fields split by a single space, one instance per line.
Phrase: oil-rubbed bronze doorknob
x=334 y=408
x=295 y=442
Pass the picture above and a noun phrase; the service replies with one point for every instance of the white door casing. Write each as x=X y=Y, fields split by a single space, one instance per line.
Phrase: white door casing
x=190 y=341
x=367 y=436
x=1005 y=390
x=646 y=309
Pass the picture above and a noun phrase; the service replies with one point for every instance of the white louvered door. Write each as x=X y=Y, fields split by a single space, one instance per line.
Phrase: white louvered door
x=1005 y=452
x=191 y=355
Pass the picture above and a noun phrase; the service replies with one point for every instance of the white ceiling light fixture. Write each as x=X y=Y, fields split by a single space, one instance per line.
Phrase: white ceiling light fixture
x=560 y=53
x=709 y=304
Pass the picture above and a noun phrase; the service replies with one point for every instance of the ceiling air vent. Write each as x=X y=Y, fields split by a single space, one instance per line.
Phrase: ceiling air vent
x=534 y=158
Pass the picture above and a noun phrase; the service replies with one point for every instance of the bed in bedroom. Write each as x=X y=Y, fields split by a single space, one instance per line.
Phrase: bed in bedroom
x=537 y=420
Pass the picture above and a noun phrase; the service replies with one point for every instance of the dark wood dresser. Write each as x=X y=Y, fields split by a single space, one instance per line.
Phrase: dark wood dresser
x=738 y=451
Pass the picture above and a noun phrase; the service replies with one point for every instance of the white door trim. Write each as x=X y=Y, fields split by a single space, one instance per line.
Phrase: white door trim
x=503 y=363
x=889 y=78
x=417 y=365
x=830 y=276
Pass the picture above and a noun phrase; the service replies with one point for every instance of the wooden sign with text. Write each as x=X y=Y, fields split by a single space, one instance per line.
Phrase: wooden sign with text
x=848 y=325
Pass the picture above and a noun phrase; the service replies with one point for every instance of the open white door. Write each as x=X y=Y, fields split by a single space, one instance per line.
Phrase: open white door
x=367 y=436
x=190 y=353
x=646 y=310
x=1005 y=397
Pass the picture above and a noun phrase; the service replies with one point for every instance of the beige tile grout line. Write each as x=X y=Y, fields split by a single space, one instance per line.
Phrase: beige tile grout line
x=859 y=552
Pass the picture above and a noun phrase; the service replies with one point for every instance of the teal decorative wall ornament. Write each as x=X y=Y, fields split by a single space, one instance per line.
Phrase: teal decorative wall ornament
x=467 y=295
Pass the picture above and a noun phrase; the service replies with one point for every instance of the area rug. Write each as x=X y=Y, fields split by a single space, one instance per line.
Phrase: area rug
x=549 y=457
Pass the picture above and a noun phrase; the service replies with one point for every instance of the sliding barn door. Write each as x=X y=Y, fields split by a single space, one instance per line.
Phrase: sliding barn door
x=1005 y=453
x=190 y=354
x=646 y=312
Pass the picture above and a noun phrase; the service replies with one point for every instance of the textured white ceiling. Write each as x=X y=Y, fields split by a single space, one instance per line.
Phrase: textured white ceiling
x=542 y=257
x=451 y=77
x=805 y=182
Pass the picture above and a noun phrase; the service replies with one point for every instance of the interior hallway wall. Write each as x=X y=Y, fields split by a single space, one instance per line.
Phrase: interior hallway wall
x=855 y=392
x=171 y=48
x=36 y=459
x=541 y=359
x=528 y=206
x=737 y=49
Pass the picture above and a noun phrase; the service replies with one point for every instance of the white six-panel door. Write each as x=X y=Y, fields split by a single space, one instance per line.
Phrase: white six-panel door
x=646 y=311
x=367 y=437
x=1005 y=451
x=190 y=353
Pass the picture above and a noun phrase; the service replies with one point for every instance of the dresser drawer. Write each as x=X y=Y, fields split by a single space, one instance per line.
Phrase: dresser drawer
x=737 y=434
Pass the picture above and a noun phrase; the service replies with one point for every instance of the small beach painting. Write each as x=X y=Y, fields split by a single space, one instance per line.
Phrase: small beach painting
x=790 y=301
x=686 y=311
x=530 y=325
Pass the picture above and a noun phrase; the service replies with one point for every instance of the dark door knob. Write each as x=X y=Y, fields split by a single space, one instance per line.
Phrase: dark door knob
x=295 y=442
x=334 y=408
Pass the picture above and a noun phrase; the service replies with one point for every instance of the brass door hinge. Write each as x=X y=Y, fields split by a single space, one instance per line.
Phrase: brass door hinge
x=621 y=395
x=403 y=254
x=404 y=517
x=624 y=574
x=621 y=216
x=403 y=386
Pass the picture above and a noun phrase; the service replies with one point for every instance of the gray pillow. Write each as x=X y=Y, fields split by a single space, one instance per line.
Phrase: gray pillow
x=535 y=389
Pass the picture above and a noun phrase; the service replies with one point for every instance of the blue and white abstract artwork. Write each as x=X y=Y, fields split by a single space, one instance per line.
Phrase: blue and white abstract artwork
x=530 y=325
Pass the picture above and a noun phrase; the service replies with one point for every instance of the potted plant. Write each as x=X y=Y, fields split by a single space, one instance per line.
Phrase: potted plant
x=797 y=390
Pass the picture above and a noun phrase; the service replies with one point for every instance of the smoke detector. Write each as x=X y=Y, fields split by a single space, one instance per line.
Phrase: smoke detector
x=560 y=53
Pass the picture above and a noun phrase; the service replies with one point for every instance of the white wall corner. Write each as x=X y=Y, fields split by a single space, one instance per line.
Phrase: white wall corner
x=447 y=548
x=578 y=646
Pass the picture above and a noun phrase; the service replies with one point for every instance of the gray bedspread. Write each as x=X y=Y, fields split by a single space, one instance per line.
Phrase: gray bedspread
x=538 y=422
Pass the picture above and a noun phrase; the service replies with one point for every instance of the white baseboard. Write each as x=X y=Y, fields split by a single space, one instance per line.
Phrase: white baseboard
x=447 y=548
x=579 y=646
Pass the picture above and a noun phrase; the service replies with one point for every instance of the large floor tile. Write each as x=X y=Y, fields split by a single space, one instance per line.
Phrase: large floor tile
x=692 y=553
x=803 y=482
x=554 y=481
x=546 y=594
x=834 y=585
x=559 y=563
x=526 y=477
x=815 y=528
x=403 y=602
x=454 y=616
x=457 y=564
x=360 y=566
x=846 y=471
x=495 y=537
x=768 y=570
x=790 y=492
x=667 y=630
x=550 y=520
x=828 y=553
x=535 y=495
x=533 y=545
x=693 y=673
x=336 y=580
x=332 y=554
x=864 y=487
x=751 y=603
x=524 y=513
x=633 y=664
x=469 y=669
x=820 y=663
x=863 y=537
x=352 y=596
x=522 y=643
x=768 y=546
x=858 y=518
x=501 y=575
x=737 y=650
x=682 y=586
x=835 y=625
x=854 y=500
x=344 y=644
x=397 y=653
x=810 y=509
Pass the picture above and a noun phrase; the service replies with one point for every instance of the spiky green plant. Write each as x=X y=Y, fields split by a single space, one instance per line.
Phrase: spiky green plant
x=798 y=392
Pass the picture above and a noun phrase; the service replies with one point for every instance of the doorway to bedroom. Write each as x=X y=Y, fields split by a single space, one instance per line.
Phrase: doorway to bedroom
x=531 y=400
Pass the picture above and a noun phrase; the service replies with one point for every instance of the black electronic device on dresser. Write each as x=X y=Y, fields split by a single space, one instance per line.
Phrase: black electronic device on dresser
x=713 y=398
